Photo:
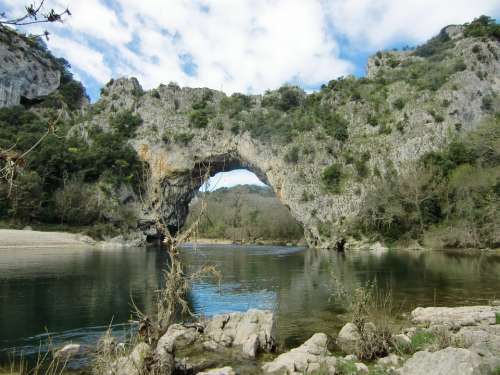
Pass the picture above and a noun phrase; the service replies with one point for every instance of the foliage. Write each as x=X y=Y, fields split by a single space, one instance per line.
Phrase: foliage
x=125 y=123
x=235 y=104
x=78 y=203
x=332 y=177
x=483 y=26
x=285 y=99
x=183 y=138
x=437 y=339
x=244 y=213
x=43 y=186
x=399 y=103
x=435 y=46
x=292 y=155
x=345 y=367
x=336 y=126
x=202 y=112
x=421 y=340
x=450 y=197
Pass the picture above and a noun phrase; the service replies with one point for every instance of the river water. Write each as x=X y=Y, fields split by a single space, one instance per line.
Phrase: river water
x=74 y=294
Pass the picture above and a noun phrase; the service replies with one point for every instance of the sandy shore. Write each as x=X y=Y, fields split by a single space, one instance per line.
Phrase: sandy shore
x=10 y=238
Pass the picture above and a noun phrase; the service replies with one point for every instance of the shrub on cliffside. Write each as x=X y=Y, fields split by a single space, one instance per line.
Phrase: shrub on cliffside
x=332 y=177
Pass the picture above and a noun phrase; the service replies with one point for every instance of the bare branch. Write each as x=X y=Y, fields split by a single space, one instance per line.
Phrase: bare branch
x=34 y=15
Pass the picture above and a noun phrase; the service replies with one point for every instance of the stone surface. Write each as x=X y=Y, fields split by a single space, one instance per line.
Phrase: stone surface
x=483 y=340
x=401 y=341
x=134 y=363
x=250 y=331
x=177 y=337
x=140 y=354
x=455 y=316
x=361 y=368
x=310 y=357
x=69 y=350
x=348 y=338
x=445 y=362
x=250 y=346
x=176 y=150
x=219 y=371
x=391 y=361
x=25 y=71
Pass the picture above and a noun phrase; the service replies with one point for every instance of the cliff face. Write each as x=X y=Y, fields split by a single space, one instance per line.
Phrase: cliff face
x=321 y=153
x=25 y=70
x=411 y=103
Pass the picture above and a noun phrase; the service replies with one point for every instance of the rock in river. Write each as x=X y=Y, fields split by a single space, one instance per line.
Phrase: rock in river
x=309 y=358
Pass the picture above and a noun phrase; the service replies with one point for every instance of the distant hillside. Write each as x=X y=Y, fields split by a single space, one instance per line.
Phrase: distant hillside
x=245 y=213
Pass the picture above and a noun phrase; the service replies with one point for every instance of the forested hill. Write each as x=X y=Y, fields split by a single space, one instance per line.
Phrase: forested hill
x=245 y=213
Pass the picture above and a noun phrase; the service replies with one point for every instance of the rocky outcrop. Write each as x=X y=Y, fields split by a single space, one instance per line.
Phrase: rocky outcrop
x=348 y=338
x=26 y=71
x=180 y=150
x=203 y=345
x=455 y=316
x=309 y=358
x=250 y=332
x=445 y=362
x=219 y=371
x=134 y=363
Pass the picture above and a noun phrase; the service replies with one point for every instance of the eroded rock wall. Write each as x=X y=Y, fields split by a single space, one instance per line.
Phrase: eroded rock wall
x=25 y=71
x=178 y=152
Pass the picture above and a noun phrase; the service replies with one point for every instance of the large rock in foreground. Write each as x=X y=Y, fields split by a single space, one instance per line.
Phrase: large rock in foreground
x=251 y=332
x=455 y=316
x=309 y=358
x=208 y=344
x=445 y=362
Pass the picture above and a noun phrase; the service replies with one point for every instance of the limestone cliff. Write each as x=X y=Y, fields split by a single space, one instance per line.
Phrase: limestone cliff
x=322 y=153
x=410 y=103
x=26 y=71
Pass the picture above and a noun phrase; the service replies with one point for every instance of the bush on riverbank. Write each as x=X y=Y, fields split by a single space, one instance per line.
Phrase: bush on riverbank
x=63 y=162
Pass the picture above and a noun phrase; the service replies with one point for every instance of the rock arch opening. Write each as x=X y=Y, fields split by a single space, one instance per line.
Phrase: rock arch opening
x=178 y=190
x=236 y=206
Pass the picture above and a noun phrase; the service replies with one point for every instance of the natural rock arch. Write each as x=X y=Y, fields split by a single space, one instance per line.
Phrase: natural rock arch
x=180 y=179
x=178 y=143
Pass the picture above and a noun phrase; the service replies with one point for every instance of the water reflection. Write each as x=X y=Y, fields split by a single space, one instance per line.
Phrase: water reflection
x=75 y=293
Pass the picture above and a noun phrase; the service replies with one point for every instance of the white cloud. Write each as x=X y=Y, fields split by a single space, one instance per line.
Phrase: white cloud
x=230 y=179
x=247 y=45
x=244 y=45
x=370 y=24
x=84 y=58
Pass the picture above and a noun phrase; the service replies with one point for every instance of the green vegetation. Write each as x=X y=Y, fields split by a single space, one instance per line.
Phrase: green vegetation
x=235 y=104
x=483 y=26
x=435 y=46
x=202 y=111
x=345 y=367
x=422 y=340
x=183 y=138
x=65 y=179
x=497 y=318
x=332 y=177
x=244 y=214
x=336 y=126
x=292 y=155
x=124 y=124
x=450 y=200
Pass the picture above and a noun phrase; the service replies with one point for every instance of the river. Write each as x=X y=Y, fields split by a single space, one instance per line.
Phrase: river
x=74 y=294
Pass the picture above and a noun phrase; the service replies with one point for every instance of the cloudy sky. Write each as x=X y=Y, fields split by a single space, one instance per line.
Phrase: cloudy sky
x=240 y=45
